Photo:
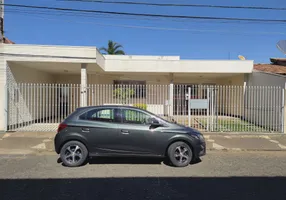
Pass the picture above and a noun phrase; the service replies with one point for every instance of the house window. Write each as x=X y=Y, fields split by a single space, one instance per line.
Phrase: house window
x=133 y=89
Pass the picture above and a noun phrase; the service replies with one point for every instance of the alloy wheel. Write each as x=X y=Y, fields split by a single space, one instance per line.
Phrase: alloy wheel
x=73 y=154
x=181 y=154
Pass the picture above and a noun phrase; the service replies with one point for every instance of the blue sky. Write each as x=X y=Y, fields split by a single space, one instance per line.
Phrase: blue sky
x=200 y=40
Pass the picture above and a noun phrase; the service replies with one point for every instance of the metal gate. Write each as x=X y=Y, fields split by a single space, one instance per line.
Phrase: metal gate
x=41 y=107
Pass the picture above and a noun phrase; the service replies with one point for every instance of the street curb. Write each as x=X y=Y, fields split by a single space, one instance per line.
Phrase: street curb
x=238 y=149
x=243 y=134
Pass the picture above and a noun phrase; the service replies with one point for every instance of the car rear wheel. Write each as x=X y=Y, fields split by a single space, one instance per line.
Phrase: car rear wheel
x=73 y=154
x=180 y=154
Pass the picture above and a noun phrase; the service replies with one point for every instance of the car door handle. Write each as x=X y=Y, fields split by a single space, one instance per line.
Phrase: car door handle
x=125 y=132
x=86 y=130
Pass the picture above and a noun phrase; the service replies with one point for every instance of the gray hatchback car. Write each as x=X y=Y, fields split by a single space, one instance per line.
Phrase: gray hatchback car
x=125 y=131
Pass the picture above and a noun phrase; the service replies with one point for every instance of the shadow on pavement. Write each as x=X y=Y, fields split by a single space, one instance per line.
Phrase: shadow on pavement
x=131 y=160
x=159 y=188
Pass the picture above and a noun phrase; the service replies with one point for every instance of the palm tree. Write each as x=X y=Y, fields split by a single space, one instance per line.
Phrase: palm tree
x=112 y=49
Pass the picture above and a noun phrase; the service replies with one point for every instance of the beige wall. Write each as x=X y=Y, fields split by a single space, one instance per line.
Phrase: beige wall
x=67 y=79
x=30 y=98
x=49 y=53
x=153 y=64
x=265 y=99
x=28 y=75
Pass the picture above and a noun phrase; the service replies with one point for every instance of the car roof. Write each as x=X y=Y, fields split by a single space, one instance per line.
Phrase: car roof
x=109 y=106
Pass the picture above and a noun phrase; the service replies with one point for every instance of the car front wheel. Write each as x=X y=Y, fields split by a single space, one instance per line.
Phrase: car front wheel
x=180 y=154
x=73 y=154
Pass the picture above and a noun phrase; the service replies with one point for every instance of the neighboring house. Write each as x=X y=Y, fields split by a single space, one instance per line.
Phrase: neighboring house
x=58 y=79
x=273 y=74
x=7 y=41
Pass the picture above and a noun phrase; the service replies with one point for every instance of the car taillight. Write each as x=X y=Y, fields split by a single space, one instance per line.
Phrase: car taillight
x=61 y=127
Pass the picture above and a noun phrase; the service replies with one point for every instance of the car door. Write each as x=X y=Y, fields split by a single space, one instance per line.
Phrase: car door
x=101 y=129
x=136 y=137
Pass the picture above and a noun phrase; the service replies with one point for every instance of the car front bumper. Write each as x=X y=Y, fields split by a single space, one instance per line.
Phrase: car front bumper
x=200 y=149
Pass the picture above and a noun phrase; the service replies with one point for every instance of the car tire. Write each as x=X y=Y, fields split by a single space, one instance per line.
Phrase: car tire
x=180 y=154
x=73 y=154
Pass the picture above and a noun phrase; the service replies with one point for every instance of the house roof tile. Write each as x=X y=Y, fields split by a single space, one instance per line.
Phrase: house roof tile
x=277 y=69
x=7 y=41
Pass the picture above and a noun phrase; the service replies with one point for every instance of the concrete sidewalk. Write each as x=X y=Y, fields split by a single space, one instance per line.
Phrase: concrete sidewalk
x=42 y=142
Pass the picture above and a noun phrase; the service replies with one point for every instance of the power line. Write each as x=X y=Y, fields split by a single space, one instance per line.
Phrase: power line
x=177 y=5
x=105 y=16
x=155 y=28
x=147 y=15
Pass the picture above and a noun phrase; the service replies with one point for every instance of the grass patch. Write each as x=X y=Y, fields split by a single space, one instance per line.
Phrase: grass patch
x=232 y=125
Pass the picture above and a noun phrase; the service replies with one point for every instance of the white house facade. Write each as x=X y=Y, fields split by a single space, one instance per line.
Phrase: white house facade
x=32 y=73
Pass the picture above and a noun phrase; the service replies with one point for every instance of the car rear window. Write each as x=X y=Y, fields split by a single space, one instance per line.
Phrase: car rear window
x=105 y=114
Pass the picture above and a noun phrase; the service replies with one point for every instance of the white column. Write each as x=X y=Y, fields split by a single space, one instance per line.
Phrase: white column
x=83 y=86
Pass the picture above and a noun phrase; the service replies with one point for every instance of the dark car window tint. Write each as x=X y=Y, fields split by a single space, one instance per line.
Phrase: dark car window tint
x=105 y=115
x=135 y=117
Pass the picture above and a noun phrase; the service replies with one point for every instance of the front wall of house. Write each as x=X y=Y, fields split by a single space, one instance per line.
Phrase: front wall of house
x=265 y=79
x=26 y=102
x=130 y=64
x=21 y=74
x=268 y=97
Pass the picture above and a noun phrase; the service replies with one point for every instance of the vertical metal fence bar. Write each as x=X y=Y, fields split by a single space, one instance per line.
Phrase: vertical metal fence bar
x=61 y=102
x=24 y=114
x=267 y=108
x=36 y=103
x=275 y=99
x=234 y=106
x=272 y=108
x=13 y=90
x=49 y=103
x=56 y=104
x=282 y=109
x=222 y=123
x=33 y=115
x=238 y=108
x=278 y=110
x=20 y=106
x=257 y=109
x=40 y=103
x=26 y=118
x=46 y=103
x=263 y=88
x=251 y=109
x=11 y=106
x=260 y=108
x=275 y=111
x=53 y=103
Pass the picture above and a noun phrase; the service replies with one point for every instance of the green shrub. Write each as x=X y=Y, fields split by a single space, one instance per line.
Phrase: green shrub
x=141 y=106
x=123 y=94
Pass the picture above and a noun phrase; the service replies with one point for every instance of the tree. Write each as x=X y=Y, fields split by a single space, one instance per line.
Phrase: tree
x=112 y=49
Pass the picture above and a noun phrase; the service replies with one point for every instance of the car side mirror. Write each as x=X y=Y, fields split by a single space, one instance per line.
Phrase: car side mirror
x=154 y=122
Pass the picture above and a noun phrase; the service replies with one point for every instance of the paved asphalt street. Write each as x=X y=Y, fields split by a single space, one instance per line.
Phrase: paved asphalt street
x=220 y=175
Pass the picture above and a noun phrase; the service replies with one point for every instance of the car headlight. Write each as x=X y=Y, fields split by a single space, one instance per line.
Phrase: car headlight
x=199 y=137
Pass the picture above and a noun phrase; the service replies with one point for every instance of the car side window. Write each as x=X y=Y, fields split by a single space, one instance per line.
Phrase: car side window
x=130 y=116
x=103 y=115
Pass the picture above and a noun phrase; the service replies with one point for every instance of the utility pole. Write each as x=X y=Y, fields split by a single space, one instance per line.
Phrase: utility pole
x=1 y=21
